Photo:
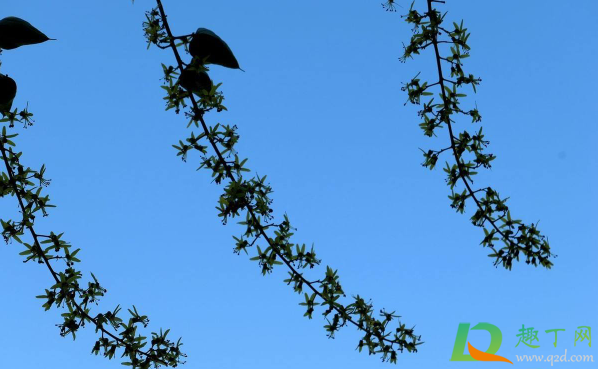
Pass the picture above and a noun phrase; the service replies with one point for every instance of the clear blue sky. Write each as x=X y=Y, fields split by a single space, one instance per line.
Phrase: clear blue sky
x=319 y=111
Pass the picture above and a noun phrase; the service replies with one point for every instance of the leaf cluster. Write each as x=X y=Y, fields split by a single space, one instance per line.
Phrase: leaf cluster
x=467 y=150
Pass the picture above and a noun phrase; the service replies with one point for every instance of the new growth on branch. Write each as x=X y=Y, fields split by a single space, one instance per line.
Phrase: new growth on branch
x=66 y=292
x=247 y=198
x=188 y=87
x=466 y=150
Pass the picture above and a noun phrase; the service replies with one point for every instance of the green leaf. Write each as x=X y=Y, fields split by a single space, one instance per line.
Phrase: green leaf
x=26 y=252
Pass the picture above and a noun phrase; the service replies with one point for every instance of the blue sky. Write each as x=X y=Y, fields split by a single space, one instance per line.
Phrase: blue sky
x=320 y=111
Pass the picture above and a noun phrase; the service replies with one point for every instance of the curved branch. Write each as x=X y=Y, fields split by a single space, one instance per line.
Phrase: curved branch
x=250 y=209
x=46 y=260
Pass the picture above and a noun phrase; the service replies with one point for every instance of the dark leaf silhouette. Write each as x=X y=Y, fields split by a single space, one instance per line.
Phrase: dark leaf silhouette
x=207 y=47
x=8 y=91
x=16 y=32
x=195 y=80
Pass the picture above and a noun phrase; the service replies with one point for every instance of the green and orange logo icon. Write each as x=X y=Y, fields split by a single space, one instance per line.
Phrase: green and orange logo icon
x=474 y=353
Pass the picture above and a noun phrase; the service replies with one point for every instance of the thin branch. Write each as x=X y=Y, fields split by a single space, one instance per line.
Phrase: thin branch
x=445 y=100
